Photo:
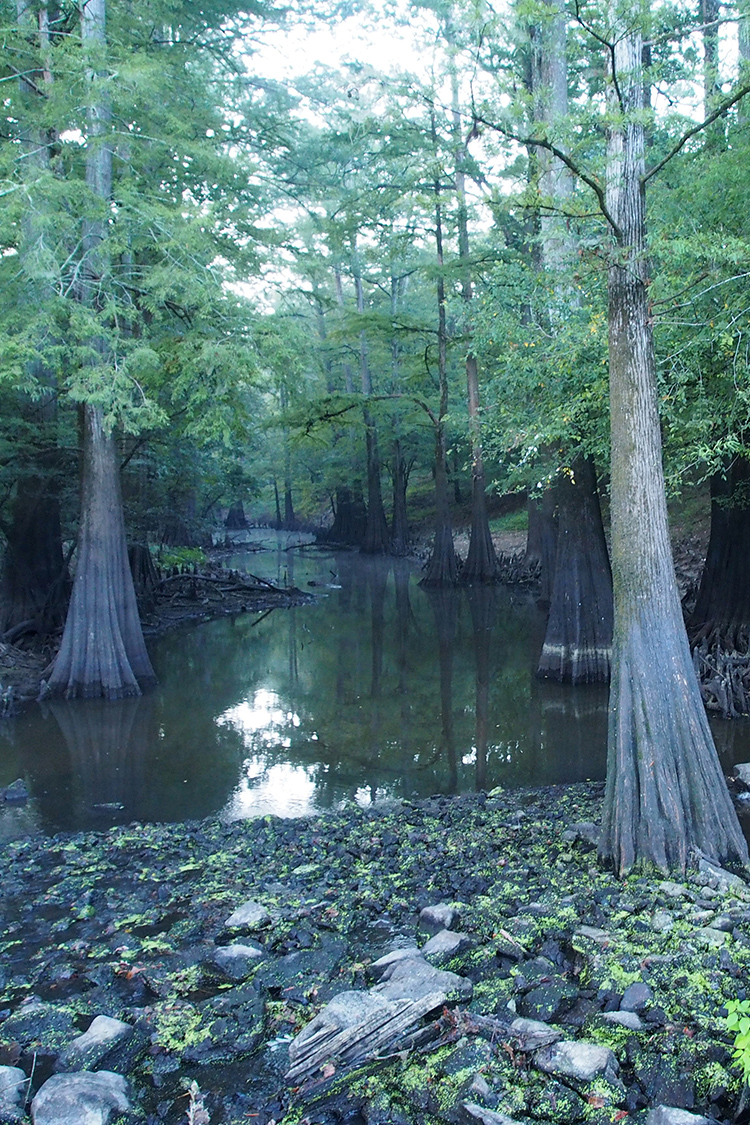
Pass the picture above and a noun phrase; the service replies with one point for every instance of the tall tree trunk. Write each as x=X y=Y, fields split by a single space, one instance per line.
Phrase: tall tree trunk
x=102 y=651
x=578 y=642
x=579 y=627
x=722 y=609
x=442 y=565
x=34 y=584
x=376 y=534
x=545 y=535
x=665 y=789
x=399 y=522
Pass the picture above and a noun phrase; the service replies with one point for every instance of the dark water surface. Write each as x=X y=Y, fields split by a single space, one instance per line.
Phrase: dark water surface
x=378 y=689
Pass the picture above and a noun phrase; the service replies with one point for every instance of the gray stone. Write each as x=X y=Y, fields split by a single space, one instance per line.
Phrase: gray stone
x=593 y=933
x=662 y=921
x=485 y=1116
x=13 y=1089
x=250 y=916
x=414 y=979
x=236 y=960
x=548 y=1001
x=628 y=1019
x=636 y=997
x=16 y=793
x=441 y=916
x=673 y=890
x=582 y=830
x=534 y=1034
x=87 y=1051
x=721 y=880
x=572 y=1059
x=712 y=938
x=88 y=1098
x=742 y=771
x=38 y=1024
x=382 y=968
x=480 y=1088
x=668 y=1115
x=445 y=944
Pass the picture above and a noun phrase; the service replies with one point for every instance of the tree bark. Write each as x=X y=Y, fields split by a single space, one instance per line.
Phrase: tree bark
x=665 y=791
x=578 y=642
x=34 y=584
x=399 y=521
x=377 y=540
x=722 y=610
x=102 y=651
x=442 y=565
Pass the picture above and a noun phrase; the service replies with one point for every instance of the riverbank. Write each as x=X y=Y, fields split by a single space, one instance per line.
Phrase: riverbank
x=215 y=945
x=176 y=600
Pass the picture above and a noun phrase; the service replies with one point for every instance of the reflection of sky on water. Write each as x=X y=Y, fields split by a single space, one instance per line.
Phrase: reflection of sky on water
x=281 y=789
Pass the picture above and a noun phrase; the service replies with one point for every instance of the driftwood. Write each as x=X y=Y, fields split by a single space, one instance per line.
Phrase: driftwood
x=351 y=1045
x=392 y=1031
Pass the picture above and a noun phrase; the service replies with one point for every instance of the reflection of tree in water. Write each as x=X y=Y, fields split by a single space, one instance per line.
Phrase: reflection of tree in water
x=108 y=743
x=483 y=608
x=444 y=605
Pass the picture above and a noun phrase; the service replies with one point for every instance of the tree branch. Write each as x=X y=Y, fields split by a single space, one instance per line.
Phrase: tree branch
x=563 y=157
x=718 y=112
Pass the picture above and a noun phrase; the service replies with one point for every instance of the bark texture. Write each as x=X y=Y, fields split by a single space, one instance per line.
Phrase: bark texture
x=722 y=610
x=665 y=793
x=578 y=641
x=442 y=565
x=102 y=651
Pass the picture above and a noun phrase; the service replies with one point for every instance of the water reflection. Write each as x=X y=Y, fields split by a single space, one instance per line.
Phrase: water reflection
x=377 y=689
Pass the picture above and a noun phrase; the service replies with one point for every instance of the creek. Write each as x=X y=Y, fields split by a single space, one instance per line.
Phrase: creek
x=376 y=689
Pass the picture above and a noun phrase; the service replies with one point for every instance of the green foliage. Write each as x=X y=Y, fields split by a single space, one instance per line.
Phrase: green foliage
x=738 y=1021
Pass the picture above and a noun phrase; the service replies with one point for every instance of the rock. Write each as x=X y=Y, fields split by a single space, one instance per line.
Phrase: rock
x=711 y=875
x=485 y=1116
x=45 y=1028
x=236 y=960
x=381 y=968
x=16 y=793
x=80 y=1099
x=662 y=921
x=250 y=916
x=442 y=916
x=710 y=937
x=445 y=944
x=13 y=1088
x=413 y=979
x=87 y=1051
x=626 y=1018
x=636 y=997
x=583 y=830
x=593 y=933
x=742 y=772
x=480 y=1088
x=673 y=890
x=668 y=1115
x=534 y=1034
x=573 y=1059
x=548 y=1001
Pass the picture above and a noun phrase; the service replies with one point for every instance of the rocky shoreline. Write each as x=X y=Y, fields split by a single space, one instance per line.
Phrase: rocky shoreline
x=459 y=959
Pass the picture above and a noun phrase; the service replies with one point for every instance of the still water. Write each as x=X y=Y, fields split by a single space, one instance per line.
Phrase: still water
x=376 y=689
